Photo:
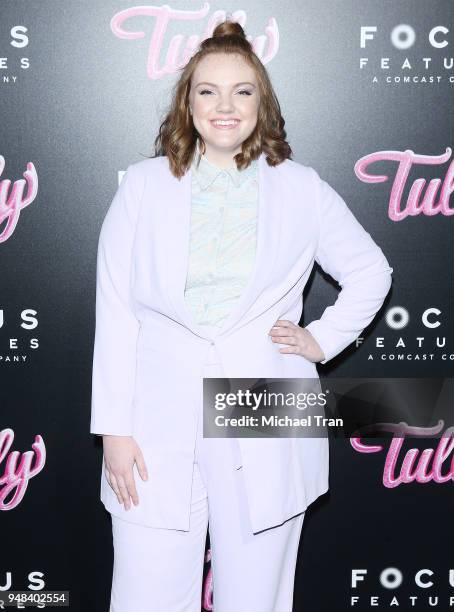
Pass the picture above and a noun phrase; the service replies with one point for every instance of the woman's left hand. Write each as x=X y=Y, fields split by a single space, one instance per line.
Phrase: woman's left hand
x=299 y=339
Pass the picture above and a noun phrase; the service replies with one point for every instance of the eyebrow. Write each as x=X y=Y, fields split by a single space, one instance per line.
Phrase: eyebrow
x=235 y=85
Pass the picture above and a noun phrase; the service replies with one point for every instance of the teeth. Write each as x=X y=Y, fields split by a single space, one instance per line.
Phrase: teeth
x=226 y=122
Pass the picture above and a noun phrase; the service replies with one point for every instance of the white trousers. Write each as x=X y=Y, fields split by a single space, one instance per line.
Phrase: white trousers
x=161 y=570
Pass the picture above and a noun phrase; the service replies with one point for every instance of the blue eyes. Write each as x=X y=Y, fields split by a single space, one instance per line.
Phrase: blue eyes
x=241 y=91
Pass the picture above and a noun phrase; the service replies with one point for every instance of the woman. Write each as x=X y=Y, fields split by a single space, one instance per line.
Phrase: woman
x=202 y=261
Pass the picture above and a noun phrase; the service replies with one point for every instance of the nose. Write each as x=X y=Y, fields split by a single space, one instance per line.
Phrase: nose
x=225 y=104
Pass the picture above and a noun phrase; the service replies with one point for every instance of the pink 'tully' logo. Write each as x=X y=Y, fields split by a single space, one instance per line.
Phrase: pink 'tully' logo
x=16 y=476
x=207 y=599
x=414 y=467
x=416 y=203
x=265 y=46
x=12 y=203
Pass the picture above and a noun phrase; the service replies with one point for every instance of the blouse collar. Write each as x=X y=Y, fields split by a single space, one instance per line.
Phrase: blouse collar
x=206 y=172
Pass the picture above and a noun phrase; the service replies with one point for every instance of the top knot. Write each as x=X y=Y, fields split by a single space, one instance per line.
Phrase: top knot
x=228 y=28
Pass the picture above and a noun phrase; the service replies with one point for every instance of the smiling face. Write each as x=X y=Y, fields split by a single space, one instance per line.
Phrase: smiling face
x=224 y=98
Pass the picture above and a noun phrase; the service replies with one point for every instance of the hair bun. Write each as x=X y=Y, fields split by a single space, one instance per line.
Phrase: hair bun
x=228 y=28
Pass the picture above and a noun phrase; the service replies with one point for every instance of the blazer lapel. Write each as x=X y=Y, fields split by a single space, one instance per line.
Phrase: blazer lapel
x=268 y=232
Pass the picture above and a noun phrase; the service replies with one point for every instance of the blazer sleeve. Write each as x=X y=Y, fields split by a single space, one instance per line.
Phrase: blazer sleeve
x=347 y=253
x=117 y=328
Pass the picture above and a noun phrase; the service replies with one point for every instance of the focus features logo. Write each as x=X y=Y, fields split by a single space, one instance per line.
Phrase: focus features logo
x=13 y=59
x=403 y=56
x=412 y=589
x=417 y=337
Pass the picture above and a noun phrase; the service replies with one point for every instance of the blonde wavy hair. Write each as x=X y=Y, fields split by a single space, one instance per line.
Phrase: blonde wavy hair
x=177 y=137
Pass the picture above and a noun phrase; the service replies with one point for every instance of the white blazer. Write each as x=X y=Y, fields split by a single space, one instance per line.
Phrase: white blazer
x=149 y=353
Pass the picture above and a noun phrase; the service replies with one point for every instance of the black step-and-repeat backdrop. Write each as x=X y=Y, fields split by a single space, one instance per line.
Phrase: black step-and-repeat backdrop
x=367 y=91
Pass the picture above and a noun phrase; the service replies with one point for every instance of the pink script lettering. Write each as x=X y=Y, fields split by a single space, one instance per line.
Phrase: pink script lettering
x=16 y=476
x=415 y=205
x=207 y=595
x=414 y=467
x=165 y=14
x=11 y=205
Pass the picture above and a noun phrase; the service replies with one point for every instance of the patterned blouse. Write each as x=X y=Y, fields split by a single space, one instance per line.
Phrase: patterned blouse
x=223 y=238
